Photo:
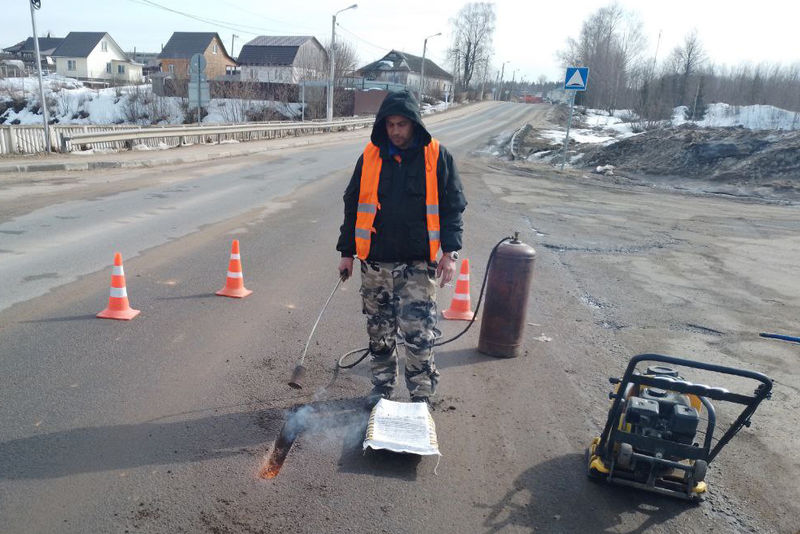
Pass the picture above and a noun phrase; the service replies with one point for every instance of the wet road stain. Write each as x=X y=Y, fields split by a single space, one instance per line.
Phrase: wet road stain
x=67 y=217
x=34 y=277
x=12 y=232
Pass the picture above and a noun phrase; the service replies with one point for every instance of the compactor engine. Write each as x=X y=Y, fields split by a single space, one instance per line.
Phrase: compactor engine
x=662 y=414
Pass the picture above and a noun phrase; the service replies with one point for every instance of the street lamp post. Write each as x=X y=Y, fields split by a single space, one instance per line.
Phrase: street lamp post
x=332 y=61
x=36 y=4
x=422 y=69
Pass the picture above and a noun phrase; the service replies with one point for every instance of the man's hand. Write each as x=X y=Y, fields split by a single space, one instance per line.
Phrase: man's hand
x=446 y=270
x=346 y=268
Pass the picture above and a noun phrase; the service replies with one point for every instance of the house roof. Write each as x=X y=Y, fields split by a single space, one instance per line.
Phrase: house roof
x=403 y=61
x=13 y=49
x=273 y=49
x=78 y=44
x=45 y=43
x=183 y=45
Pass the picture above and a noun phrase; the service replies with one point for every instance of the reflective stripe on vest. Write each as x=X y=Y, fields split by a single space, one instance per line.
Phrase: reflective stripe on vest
x=368 y=205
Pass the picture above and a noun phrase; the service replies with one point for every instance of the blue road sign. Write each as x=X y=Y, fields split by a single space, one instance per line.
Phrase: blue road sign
x=576 y=78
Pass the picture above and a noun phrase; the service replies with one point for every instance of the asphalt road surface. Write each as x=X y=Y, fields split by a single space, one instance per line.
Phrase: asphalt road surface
x=161 y=424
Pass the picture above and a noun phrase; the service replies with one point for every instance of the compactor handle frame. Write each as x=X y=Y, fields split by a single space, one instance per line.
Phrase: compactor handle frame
x=750 y=402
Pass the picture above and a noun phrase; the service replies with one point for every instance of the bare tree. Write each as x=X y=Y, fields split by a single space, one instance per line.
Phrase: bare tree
x=686 y=61
x=346 y=60
x=610 y=43
x=471 y=49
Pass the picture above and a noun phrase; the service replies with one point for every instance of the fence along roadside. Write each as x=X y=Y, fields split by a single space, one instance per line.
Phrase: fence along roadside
x=30 y=140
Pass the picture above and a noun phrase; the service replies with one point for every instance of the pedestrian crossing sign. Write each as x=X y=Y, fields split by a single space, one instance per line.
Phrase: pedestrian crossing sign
x=576 y=78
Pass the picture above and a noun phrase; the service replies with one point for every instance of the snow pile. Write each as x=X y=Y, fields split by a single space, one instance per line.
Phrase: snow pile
x=142 y=147
x=759 y=117
x=72 y=103
x=440 y=106
x=30 y=85
x=577 y=135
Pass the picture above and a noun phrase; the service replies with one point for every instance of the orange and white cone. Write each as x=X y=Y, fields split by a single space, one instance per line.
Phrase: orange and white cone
x=118 y=306
x=234 y=284
x=460 y=305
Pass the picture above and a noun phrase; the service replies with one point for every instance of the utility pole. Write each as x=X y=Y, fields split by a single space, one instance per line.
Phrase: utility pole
x=513 y=77
x=456 y=66
x=655 y=56
x=483 y=80
x=233 y=36
x=37 y=4
x=422 y=69
x=332 y=59
x=502 y=72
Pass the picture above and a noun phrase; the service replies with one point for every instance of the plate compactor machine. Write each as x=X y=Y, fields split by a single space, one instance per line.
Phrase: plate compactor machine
x=651 y=439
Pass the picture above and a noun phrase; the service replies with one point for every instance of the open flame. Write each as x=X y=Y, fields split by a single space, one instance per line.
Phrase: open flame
x=280 y=450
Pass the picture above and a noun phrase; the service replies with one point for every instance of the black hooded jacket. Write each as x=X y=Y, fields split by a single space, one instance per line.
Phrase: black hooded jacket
x=401 y=230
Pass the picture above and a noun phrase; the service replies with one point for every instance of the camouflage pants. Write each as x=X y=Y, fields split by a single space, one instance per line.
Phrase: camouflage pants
x=401 y=296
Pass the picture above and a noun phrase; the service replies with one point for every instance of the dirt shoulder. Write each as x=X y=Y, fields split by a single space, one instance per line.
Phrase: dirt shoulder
x=624 y=269
x=738 y=162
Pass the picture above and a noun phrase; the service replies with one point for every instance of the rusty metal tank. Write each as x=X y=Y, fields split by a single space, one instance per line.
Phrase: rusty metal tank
x=507 y=289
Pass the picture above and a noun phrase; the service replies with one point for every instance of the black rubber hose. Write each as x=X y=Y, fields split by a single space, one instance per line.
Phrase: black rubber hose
x=339 y=363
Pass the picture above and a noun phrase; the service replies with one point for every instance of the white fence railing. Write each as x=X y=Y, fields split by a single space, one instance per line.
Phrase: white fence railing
x=30 y=139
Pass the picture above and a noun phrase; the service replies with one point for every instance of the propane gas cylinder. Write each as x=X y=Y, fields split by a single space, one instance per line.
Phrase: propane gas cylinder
x=507 y=288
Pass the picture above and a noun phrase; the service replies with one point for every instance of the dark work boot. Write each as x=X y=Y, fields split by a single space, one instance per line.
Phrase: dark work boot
x=426 y=400
x=378 y=393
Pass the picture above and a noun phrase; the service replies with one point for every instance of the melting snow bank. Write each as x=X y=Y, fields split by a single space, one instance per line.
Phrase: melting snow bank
x=760 y=117
x=745 y=160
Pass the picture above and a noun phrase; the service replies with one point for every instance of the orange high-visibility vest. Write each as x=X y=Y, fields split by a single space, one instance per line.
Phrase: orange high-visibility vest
x=368 y=205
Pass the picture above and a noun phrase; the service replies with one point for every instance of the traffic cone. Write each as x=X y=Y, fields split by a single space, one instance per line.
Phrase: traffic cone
x=234 y=284
x=118 y=306
x=460 y=305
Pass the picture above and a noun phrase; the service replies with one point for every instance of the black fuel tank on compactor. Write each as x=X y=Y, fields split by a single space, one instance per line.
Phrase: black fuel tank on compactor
x=507 y=290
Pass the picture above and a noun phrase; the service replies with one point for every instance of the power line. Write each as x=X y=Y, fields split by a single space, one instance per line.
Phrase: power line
x=250 y=12
x=381 y=48
x=224 y=24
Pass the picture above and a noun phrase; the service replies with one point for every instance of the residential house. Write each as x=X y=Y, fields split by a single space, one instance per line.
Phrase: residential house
x=182 y=46
x=283 y=59
x=398 y=67
x=26 y=50
x=95 y=56
x=149 y=61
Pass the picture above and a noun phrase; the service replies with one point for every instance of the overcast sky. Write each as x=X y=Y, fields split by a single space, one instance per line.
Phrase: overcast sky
x=528 y=34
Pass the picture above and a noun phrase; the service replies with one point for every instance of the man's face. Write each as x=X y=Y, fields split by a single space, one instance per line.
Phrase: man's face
x=400 y=130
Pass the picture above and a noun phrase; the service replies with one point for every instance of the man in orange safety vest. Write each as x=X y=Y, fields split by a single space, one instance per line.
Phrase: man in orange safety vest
x=404 y=204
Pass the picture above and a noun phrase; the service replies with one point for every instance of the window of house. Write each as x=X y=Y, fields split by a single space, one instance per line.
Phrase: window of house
x=120 y=69
x=171 y=68
x=104 y=46
x=108 y=68
x=71 y=64
x=214 y=49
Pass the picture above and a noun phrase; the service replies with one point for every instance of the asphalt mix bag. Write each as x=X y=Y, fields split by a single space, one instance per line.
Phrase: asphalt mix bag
x=406 y=427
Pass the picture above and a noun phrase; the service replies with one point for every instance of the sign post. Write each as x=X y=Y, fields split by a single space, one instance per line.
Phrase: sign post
x=574 y=81
x=199 y=94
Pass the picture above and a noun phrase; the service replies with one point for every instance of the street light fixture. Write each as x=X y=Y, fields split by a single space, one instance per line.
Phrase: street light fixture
x=422 y=70
x=332 y=61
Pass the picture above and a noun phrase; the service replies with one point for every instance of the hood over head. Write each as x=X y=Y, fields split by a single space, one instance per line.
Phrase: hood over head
x=399 y=103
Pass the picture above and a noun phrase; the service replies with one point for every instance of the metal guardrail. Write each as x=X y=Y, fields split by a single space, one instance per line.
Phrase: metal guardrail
x=203 y=132
x=515 y=140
